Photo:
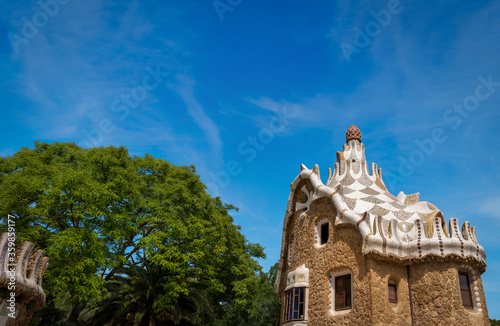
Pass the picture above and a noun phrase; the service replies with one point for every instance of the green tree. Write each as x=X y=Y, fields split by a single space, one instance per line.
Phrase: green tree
x=264 y=307
x=98 y=212
x=132 y=298
x=268 y=305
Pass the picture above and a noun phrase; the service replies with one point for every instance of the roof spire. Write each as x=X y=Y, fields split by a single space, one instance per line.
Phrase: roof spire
x=352 y=133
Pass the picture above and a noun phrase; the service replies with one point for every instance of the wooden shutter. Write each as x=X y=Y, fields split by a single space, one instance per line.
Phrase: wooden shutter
x=343 y=292
x=393 y=294
x=465 y=289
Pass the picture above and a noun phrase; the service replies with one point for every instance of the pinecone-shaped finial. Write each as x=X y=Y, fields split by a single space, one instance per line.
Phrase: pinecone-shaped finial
x=352 y=133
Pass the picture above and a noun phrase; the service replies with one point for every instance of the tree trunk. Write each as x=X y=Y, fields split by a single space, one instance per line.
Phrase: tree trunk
x=75 y=312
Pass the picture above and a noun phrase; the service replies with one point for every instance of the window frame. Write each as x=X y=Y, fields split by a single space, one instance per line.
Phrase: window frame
x=465 y=291
x=393 y=284
x=294 y=302
x=348 y=292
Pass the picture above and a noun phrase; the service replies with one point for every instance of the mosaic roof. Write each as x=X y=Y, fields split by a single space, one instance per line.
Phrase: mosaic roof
x=402 y=226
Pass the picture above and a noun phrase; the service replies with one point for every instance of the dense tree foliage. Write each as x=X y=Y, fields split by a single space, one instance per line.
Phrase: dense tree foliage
x=132 y=240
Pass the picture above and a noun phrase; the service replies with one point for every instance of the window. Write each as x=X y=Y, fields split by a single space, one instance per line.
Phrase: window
x=343 y=292
x=321 y=233
x=465 y=289
x=340 y=287
x=393 y=292
x=294 y=300
x=290 y=251
x=324 y=233
x=293 y=308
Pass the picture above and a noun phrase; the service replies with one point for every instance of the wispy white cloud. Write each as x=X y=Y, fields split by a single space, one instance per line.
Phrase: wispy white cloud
x=91 y=54
x=320 y=111
x=185 y=89
x=70 y=70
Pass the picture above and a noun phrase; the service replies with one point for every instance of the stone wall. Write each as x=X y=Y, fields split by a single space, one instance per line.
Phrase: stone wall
x=436 y=294
x=384 y=312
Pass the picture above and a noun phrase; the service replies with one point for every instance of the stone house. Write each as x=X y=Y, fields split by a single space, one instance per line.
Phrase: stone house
x=354 y=254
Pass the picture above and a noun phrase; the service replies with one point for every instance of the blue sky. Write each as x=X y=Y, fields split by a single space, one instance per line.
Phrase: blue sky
x=249 y=90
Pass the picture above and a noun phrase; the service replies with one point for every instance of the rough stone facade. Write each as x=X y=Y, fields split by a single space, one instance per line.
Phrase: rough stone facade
x=435 y=297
